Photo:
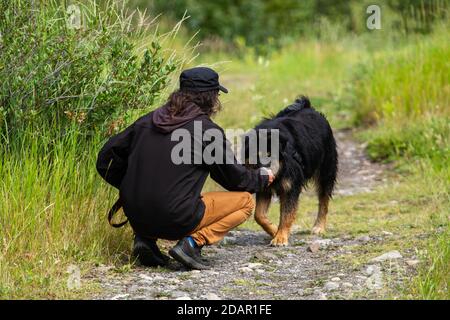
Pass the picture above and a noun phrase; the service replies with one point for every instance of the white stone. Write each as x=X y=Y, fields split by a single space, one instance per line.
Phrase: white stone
x=322 y=296
x=228 y=240
x=364 y=239
x=347 y=284
x=335 y=279
x=412 y=263
x=146 y=277
x=391 y=255
x=372 y=269
x=254 y=265
x=211 y=296
x=323 y=242
x=174 y=280
x=178 y=294
x=375 y=281
x=331 y=286
x=120 y=296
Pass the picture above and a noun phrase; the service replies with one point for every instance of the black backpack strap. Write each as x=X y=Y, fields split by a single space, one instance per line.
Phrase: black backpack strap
x=116 y=207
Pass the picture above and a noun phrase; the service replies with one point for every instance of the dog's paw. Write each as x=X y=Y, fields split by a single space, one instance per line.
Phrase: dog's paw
x=318 y=230
x=272 y=231
x=279 y=241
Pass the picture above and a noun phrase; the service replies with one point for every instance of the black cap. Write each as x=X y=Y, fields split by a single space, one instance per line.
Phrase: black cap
x=200 y=79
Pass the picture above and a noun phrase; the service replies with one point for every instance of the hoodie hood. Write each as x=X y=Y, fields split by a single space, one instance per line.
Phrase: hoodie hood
x=166 y=123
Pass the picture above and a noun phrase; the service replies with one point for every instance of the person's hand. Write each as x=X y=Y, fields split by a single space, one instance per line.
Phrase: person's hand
x=270 y=174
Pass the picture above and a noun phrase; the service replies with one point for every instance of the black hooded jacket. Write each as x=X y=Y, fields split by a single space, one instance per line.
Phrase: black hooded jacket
x=160 y=198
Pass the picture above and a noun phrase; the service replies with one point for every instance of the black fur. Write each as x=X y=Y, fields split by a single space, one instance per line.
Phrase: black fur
x=307 y=152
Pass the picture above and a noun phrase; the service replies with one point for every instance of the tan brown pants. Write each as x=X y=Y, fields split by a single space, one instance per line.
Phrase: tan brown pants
x=223 y=212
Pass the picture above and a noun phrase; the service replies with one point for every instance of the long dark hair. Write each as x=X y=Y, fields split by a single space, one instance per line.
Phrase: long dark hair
x=207 y=101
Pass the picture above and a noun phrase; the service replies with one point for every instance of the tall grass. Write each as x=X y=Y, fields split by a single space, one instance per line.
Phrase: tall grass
x=65 y=88
x=53 y=209
x=433 y=281
x=405 y=96
x=408 y=82
x=406 y=93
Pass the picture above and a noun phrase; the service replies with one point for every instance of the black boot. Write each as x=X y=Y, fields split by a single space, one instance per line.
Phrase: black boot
x=187 y=255
x=157 y=252
x=148 y=253
x=198 y=252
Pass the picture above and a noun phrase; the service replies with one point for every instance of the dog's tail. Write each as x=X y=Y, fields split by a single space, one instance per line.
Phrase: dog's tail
x=300 y=103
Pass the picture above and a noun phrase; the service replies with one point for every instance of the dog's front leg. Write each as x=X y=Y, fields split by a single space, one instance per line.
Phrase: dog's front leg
x=288 y=213
x=262 y=206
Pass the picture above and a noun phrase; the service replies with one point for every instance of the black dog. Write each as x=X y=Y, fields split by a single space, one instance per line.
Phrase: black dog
x=307 y=151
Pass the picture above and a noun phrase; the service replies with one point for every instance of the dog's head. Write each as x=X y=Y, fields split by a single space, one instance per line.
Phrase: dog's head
x=261 y=148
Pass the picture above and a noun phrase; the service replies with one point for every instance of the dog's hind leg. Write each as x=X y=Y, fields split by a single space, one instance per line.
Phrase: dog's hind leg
x=321 y=220
x=288 y=213
x=262 y=206
x=325 y=181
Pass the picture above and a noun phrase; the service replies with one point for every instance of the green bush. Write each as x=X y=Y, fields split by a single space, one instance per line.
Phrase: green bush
x=74 y=64
x=410 y=103
x=428 y=138
x=417 y=82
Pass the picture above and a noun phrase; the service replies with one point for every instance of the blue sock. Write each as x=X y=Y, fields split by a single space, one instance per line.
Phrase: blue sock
x=192 y=242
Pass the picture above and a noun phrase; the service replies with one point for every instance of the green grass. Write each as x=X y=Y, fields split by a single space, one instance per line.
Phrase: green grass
x=416 y=84
x=433 y=281
x=53 y=215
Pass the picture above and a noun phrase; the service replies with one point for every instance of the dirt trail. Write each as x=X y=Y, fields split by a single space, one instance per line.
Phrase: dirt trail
x=245 y=267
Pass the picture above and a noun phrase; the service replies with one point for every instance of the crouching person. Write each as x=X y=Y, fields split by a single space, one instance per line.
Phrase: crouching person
x=160 y=186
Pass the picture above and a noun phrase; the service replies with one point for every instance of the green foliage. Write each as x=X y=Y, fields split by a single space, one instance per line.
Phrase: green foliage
x=425 y=139
x=417 y=85
x=266 y=22
x=419 y=15
x=61 y=73
x=256 y=22
x=410 y=103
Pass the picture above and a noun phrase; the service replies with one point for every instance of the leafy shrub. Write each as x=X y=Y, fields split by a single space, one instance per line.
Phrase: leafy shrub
x=80 y=64
x=410 y=103
x=428 y=138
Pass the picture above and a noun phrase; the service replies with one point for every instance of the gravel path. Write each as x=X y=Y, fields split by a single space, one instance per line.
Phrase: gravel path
x=245 y=267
